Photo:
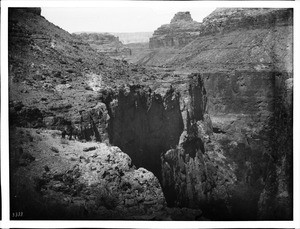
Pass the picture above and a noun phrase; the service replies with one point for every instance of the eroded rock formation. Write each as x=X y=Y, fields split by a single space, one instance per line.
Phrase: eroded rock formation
x=95 y=181
x=104 y=43
x=245 y=56
x=167 y=130
x=228 y=39
x=181 y=31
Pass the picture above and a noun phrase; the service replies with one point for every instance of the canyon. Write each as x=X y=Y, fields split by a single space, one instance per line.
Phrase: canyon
x=198 y=126
x=105 y=43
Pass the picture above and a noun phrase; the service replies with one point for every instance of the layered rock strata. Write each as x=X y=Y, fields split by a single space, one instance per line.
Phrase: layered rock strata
x=229 y=39
x=104 y=43
x=181 y=31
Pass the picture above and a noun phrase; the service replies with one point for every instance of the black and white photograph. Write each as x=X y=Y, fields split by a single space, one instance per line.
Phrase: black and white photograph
x=151 y=113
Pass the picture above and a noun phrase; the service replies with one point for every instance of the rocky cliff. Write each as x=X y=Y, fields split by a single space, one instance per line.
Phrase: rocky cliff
x=181 y=31
x=258 y=40
x=165 y=128
x=230 y=39
x=133 y=37
x=245 y=56
x=98 y=38
x=104 y=43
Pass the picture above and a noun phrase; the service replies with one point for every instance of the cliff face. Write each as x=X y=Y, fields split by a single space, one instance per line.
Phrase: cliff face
x=245 y=56
x=230 y=39
x=166 y=129
x=230 y=19
x=98 y=38
x=133 y=37
x=104 y=43
x=276 y=200
x=257 y=42
x=181 y=31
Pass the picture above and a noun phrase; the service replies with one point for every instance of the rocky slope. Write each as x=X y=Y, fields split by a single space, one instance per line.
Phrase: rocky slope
x=230 y=39
x=138 y=51
x=54 y=79
x=104 y=43
x=54 y=76
x=78 y=180
x=255 y=40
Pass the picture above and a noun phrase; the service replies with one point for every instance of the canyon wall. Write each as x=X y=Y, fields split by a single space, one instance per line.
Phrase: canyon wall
x=98 y=38
x=133 y=37
x=104 y=43
x=245 y=57
x=227 y=40
x=181 y=31
x=167 y=130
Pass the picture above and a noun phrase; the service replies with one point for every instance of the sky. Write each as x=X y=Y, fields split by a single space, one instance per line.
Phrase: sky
x=117 y=19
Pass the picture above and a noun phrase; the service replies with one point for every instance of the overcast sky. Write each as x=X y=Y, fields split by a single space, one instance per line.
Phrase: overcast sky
x=117 y=19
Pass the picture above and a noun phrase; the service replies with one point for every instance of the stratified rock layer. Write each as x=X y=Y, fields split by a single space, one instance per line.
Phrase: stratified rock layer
x=104 y=43
x=181 y=31
x=227 y=40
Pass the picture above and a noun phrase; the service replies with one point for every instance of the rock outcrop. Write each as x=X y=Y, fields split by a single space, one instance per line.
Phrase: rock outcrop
x=182 y=16
x=104 y=43
x=181 y=31
x=257 y=42
x=31 y=10
x=133 y=37
x=165 y=128
x=230 y=39
x=98 y=38
x=78 y=180
x=229 y=19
